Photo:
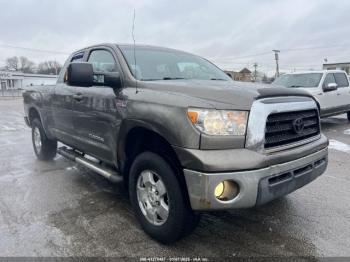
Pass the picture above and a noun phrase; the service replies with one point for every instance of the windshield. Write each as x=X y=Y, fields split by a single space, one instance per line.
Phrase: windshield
x=299 y=80
x=165 y=64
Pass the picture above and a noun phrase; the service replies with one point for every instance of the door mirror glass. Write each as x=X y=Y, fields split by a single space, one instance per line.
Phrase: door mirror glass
x=112 y=80
x=79 y=74
x=330 y=87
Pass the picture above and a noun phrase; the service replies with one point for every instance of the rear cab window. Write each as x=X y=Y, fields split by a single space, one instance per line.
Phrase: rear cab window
x=341 y=80
x=329 y=79
x=78 y=57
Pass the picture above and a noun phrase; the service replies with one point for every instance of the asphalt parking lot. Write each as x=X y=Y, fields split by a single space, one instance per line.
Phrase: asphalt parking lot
x=60 y=209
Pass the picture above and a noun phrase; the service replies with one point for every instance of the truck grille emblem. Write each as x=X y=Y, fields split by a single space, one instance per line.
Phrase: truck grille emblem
x=298 y=125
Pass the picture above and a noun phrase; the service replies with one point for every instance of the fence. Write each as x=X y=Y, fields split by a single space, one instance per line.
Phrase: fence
x=11 y=92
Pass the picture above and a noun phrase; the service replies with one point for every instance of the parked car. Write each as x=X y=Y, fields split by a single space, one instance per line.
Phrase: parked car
x=330 y=88
x=183 y=136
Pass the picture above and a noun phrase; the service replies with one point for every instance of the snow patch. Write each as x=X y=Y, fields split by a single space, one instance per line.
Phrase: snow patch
x=7 y=128
x=337 y=145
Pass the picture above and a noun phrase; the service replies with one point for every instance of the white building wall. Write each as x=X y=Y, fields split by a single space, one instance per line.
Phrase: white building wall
x=18 y=80
x=33 y=81
x=340 y=66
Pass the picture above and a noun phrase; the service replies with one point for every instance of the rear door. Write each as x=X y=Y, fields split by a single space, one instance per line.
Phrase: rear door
x=62 y=106
x=96 y=119
x=343 y=90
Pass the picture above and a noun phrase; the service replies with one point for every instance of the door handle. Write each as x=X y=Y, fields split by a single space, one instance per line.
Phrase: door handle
x=78 y=97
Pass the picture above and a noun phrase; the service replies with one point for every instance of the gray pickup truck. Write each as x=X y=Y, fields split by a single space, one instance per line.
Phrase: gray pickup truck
x=181 y=134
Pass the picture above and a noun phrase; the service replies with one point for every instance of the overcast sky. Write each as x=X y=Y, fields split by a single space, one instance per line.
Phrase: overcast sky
x=227 y=32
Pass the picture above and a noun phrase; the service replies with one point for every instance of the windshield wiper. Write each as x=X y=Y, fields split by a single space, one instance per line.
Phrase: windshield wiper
x=164 y=78
x=219 y=79
x=295 y=86
x=172 y=78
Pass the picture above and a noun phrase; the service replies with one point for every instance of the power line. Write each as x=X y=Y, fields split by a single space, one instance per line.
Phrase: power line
x=34 y=49
x=247 y=56
x=228 y=58
x=313 y=47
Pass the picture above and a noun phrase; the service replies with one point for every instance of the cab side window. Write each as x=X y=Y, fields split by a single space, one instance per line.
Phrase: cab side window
x=341 y=79
x=102 y=61
x=329 y=79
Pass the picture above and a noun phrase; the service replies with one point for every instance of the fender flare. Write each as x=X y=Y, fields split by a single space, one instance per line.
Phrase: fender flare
x=128 y=125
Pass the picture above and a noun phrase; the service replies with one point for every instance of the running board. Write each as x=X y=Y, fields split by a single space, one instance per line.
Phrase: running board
x=70 y=154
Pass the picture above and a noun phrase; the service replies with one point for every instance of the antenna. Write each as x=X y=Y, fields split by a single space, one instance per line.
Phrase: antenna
x=133 y=38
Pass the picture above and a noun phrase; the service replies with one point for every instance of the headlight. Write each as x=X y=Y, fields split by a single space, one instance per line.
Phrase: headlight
x=219 y=122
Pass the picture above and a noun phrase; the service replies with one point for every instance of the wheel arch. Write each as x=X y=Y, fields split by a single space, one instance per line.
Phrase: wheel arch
x=32 y=114
x=138 y=136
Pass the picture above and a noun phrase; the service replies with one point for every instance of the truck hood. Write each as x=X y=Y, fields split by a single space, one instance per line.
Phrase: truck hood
x=220 y=94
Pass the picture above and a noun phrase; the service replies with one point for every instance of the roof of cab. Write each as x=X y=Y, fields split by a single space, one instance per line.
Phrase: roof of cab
x=128 y=46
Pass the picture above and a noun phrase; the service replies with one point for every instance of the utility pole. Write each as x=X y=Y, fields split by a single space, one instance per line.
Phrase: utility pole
x=255 y=71
x=277 y=58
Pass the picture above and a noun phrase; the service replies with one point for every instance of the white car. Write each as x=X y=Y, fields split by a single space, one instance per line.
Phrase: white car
x=330 y=88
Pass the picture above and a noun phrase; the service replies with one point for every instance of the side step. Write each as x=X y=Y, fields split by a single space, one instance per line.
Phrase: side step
x=70 y=154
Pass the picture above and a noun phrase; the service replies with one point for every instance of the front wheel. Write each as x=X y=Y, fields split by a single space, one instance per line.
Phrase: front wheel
x=44 y=148
x=158 y=199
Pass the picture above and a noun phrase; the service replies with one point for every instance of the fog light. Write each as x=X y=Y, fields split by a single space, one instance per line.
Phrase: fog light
x=226 y=190
x=219 y=190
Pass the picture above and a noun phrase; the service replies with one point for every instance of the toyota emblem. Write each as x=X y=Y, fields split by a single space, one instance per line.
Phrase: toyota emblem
x=298 y=125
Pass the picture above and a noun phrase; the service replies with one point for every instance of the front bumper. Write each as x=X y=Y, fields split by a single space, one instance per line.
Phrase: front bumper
x=256 y=187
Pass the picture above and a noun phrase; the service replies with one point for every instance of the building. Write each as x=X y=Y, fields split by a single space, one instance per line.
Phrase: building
x=338 y=66
x=11 y=80
x=244 y=75
x=232 y=74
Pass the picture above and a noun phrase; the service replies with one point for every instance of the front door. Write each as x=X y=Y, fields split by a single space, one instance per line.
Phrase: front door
x=96 y=118
x=343 y=91
x=328 y=100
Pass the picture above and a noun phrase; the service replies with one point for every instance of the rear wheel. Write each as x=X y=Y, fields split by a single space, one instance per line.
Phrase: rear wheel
x=44 y=148
x=158 y=199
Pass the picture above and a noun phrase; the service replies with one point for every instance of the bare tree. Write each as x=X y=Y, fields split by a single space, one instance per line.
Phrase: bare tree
x=12 y=63
x=49 y=67
x=22 y=64
x=26 y=66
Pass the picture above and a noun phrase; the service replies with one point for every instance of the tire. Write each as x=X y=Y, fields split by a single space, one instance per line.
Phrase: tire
x=163 y=227
x=348 y=116
x=44 y=148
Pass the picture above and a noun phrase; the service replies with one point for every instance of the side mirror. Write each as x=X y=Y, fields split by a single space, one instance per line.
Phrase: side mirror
x=80 y=74
x=330 y=87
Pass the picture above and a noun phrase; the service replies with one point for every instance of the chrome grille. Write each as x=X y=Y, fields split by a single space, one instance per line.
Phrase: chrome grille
x=291 y=127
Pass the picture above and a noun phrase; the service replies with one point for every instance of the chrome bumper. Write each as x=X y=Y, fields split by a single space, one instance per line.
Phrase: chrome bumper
x=256 y=186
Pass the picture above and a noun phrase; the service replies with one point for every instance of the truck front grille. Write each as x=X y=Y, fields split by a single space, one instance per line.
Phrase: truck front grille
x=291 y=127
